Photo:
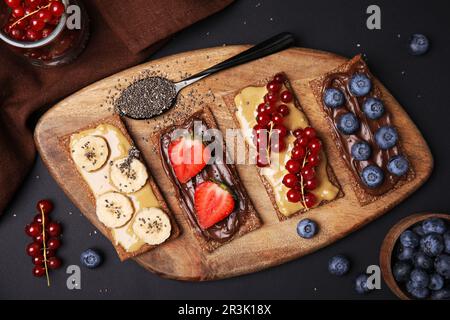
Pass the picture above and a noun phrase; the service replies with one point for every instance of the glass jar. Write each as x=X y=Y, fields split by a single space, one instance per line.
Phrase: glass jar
x=61 y=46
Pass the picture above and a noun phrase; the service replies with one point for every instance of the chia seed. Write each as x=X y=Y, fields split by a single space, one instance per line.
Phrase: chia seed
x=146 y=98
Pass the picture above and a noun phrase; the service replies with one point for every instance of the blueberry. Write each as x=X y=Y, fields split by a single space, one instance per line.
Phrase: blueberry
x=372 y=176
x=432 y=244
x=421 y=260
x=409 y=239
x=361 y=284
x=307 y=228
x=419 y=278
x=418 y=293
x=360 y=85
x=90 y=258
x=418 y=44
x=405 y=253
x=418 y=229
x=401 y=271
x=348 y=123
x=386 y=137
x=436 y=282
x=398 y=165
x=434 y=225
x=442 y=265
x=338 y=265
x=333 y=98
x=443 y=294
x=447 y=242
x=361 y=151
x=373 y=108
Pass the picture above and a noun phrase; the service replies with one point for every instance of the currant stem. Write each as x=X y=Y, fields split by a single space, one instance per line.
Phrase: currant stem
x=301 y=181
x=30 y=14
x=45 y=246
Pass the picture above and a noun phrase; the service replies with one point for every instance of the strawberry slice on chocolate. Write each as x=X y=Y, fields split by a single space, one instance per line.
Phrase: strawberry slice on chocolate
x=187 y=157
x=213 y=203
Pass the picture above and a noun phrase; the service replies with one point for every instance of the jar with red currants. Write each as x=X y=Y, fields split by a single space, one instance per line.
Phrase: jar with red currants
x=47 y=32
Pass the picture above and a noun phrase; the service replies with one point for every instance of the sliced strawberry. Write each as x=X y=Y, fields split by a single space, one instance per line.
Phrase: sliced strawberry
x=188 y=157
x=213 y=203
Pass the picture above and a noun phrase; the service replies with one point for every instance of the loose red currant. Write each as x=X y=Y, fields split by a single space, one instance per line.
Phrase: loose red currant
x=34 y=249
x=38 y=260
x=278 y=146
x=46 y=32
x=54 y=229
x=38 y=271
x=294 y=195
x=54 y=263
x=32 y=3
x=283 y=110
x=310 y=132
x=290 y=180
x=311 y=184
x=263 y=119
x=313 y=160
x=45 y=15
x=273 y=86
x=298 y=153
x=261 y=108
x=262 y=160
x=18 y=12
x=13 y=3
x=270 y=108
x=302 y=141
x=16 y=33
x=271 y=97
x=44 y=205
x=293 y=166
x=280 y=130
x=21 y=24
x=314 y=145
x=277 y=118
x=297 y=132
x=308 y=173
x=33 y=229
x=286 y=96
x=33 y=35
x=310 y=200
x=53 y=243
x=57 y=8
x=279 y=77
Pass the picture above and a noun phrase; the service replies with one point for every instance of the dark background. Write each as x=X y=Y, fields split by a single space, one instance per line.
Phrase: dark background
x=419 y=83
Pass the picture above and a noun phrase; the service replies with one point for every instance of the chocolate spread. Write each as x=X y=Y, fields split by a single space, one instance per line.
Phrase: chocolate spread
x=340 y=80
x=220 y=172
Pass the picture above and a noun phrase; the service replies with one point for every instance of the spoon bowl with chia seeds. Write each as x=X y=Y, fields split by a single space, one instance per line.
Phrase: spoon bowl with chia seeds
x=152 y=96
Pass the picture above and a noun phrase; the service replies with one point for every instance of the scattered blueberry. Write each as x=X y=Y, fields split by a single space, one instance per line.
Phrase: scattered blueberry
x=307 y=228
x=421 y=260
x=361 y=284
x=409 y=239
x=401 y=271
x=360 y=85
x=447 y=242
x=90 y=258
x=348 y=123
x=442 y=265
x=373 y=108
x=333 y=98
x=405 y=253
x=386 y=137
x=372 y=176
x=418 y=44
x=419 y=278
x=419 y=293
x=398 y=165
x=361 y=151
x=338 y=265
x=443 y=294
x=434 y=225
x=436 y=282
x=432 y=244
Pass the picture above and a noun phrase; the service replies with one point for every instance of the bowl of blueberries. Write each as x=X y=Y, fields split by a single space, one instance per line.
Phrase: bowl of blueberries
x=415 y=257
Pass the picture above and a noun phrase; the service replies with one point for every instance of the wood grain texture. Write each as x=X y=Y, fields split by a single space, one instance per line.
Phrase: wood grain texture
x=276 y=242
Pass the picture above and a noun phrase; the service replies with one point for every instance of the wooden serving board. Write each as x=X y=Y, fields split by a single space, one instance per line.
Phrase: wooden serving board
x=276 y=242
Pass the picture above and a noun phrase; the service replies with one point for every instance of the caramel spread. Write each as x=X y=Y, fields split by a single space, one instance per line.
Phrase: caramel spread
x=99 y=182
x=246 y=103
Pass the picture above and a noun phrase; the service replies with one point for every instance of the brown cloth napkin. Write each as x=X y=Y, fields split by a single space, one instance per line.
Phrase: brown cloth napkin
x=123 y=34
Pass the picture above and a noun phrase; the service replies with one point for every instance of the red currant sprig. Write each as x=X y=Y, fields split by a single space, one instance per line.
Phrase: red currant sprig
x=305 y=157
x=45 y=234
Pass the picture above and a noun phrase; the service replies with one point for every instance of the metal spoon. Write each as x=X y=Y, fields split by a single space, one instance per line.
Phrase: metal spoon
x=152 y=96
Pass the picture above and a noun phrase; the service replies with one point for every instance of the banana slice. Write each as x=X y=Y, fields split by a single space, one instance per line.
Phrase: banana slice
x=90 y=153
x=152 y=226
x=114 y=209
x=128 y=174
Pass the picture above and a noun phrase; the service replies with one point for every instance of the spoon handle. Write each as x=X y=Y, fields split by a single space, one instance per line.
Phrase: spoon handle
x=276 y=43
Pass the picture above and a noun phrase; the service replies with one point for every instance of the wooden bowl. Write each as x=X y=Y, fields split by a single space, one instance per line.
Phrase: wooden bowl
x=389 y=244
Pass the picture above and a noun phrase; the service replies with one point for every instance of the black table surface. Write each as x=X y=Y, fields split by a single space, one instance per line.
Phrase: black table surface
x=419 y=83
